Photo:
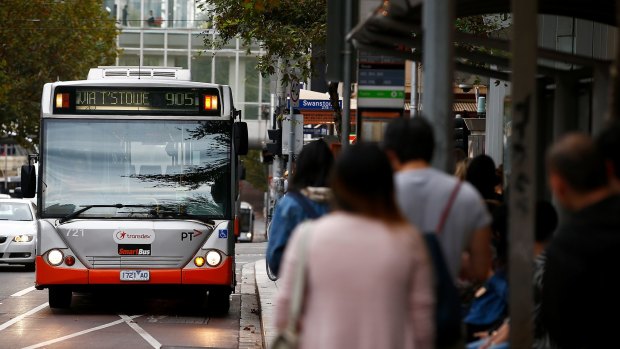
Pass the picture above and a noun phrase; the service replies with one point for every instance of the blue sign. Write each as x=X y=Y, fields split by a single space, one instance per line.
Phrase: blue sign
x=223 y=234
x=316 y=104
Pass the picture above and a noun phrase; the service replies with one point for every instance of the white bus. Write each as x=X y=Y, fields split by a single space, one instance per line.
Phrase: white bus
x=137 y=185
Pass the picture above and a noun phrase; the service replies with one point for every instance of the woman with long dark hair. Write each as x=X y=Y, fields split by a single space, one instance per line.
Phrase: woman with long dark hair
x=307 y=197
x=367 y=272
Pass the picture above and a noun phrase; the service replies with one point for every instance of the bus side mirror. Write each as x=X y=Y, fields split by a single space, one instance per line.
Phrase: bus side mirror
x=29 y=181
x=240 y=134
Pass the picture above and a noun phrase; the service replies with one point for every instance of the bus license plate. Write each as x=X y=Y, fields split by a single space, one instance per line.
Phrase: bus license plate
x=135 y=275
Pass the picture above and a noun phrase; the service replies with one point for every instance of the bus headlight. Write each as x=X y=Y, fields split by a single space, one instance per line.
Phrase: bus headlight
x=23 y=238
x=55 y=257
x=213 y=258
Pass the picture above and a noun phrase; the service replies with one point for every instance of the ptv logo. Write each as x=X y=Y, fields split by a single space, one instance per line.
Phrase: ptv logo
x=190 y=235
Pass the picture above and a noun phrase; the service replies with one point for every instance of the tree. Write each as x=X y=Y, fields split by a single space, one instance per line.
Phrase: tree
x=44 y=41
x=286 y=29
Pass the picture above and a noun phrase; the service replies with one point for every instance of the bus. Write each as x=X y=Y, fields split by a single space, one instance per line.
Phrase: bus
x=137 y=185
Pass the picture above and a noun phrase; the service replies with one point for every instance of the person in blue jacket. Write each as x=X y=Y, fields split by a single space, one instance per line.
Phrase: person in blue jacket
x=307 y=198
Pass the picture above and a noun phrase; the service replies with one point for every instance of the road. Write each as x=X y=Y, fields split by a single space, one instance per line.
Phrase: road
x=115 y=320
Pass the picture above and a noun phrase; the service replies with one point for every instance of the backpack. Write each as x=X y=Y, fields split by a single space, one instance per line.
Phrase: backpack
x=448 y=327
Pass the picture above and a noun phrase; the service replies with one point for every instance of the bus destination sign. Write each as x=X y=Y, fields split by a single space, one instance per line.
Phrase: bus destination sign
x=102 y=100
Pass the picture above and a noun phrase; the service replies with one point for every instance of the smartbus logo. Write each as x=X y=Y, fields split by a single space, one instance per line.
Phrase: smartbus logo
x=134 y=250
x=135 y=236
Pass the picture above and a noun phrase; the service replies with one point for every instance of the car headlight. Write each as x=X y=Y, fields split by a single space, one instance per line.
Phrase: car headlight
x=23 y=238
x=213 y=258
x=55 y=257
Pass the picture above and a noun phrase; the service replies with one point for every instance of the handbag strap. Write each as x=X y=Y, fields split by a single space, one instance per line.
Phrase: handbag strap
x=299 y=286
x=446 y=210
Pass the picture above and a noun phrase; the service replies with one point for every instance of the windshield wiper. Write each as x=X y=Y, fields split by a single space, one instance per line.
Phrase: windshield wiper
x=88 y=207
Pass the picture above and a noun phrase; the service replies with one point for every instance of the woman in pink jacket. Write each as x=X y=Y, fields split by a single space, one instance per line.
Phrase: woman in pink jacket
x=368 y=275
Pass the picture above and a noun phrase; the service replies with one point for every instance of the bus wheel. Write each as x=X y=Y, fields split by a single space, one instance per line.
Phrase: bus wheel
x=219 y=301
x=59 y=297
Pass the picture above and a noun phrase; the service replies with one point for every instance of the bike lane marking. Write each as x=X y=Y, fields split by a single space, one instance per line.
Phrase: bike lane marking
x=23 y=292
x=77 y=334
x=147 y=337
x=20 y=317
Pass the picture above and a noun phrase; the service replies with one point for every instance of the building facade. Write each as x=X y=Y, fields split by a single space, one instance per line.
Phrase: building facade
x=171 y=33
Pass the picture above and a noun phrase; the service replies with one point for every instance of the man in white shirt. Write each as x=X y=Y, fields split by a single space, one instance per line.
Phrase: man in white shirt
x=423 y=193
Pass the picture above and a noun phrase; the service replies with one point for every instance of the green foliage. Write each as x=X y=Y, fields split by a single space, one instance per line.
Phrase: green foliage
x=285 y=29
x=44 y=41
x=255 y=172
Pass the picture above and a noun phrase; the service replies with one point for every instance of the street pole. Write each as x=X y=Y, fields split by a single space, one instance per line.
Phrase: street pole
x=346 y=84
x=291 y=138
x=413 y=110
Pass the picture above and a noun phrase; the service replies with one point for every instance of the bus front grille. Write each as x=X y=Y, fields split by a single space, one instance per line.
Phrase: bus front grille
x=99 y=262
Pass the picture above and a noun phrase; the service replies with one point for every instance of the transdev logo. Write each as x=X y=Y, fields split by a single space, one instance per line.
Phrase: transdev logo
x=131 y=236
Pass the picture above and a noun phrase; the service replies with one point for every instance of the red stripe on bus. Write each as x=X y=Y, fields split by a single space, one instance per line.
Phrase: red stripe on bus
x=48 y=275
x=220 y=275
x=113 y=277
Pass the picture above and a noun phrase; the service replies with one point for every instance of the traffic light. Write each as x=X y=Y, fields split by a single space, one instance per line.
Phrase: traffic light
x=461 y=134
x=275 y=135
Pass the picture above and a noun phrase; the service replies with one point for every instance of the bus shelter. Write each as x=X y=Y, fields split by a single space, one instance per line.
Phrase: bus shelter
x=424 y=31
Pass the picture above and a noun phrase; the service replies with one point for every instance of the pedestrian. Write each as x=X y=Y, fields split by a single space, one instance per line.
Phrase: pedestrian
x=482 y=174
x=423 y=192
x=368 y=274
x=307 y=197
x=580 y=302
x=151 y=20
x=546 y=223
x=125 y=13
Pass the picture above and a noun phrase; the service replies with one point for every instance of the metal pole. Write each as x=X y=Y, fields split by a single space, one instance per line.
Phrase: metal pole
x=438 y=21
x=413 y=111
x=346 y=84
x=523 y=175
x=291 y=138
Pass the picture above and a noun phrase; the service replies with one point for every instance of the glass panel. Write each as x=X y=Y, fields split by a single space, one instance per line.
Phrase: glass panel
x=198 y=41
x=266 y=96
x=128 y=59
x=201 y=68
x=130 y=13
x=222 y=73
x=129 y=40
x=179 y=61
x=251 y=79
x=177 y=41
x=250 y=112
x=168 y=168
x=153 y=60
x=154 y=40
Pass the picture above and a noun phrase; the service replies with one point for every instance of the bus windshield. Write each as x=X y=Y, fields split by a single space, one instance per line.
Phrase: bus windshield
x=163 y=168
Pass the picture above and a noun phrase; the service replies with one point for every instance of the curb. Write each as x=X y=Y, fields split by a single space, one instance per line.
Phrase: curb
x=250 y=330
x=266 y=290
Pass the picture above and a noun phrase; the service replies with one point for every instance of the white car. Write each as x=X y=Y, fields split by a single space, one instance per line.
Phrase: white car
x=18 y=232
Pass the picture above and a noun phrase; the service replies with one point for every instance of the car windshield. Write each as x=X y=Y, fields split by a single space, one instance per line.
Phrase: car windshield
x=167 y=167
x=15 y=211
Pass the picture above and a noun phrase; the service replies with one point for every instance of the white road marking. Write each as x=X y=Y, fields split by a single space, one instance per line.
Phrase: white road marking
x=76 y=334
x=20 y=317
x=152 y=341
x=23 y=292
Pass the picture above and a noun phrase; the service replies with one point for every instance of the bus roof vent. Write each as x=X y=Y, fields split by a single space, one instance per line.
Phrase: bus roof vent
x=173 y=73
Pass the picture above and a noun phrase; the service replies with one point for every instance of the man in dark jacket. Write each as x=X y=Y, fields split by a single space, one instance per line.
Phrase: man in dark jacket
x=581 y=287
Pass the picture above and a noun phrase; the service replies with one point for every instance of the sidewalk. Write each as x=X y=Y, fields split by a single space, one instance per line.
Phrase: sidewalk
x=267 y=291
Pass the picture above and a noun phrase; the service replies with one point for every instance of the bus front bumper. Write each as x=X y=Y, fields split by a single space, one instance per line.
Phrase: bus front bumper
x=47 y=275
